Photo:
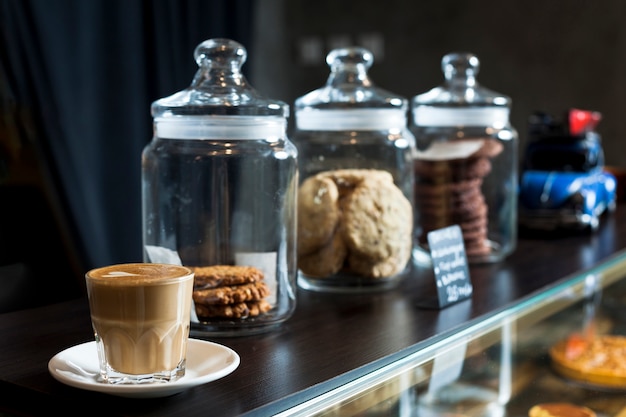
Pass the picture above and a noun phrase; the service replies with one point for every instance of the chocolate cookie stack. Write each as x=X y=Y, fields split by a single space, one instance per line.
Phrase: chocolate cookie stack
x=448 y=181
x=229 y=291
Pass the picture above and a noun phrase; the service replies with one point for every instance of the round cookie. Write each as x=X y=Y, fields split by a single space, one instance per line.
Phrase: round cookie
x=470 y=210
x=471 y=168
x=469 y=225
x=377 y=220
x=216 y=275
x=348 y=179
x=431 y=169
x=475 y=228
x=353 y=177
x=326 y=261
x=452 y=190
x=448 y=190
x=374 y=227
x=461 y=213
x=318 y=213
x=231 y=294
x=233 y=311
x=441 y=172
x=458 y=188
x=378 y=269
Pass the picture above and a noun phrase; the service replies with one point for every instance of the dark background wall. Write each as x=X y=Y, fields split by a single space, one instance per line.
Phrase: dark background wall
x=77 y=79
x=76 y=82
x=547 y=56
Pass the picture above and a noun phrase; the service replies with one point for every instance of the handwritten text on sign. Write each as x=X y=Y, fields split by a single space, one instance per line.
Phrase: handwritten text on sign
x=450 y=265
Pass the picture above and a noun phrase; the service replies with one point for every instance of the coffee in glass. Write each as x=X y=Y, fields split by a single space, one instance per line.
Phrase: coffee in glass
x=140 y=314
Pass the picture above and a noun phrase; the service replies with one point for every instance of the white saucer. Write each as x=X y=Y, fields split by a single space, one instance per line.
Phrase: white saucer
x=206 y=361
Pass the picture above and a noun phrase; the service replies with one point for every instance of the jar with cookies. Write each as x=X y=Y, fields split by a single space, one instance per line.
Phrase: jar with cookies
x=465 y=163
x=355 y=213
x=219 y=195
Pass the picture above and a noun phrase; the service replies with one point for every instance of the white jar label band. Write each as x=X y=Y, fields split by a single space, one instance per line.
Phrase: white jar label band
x=352 y=119
x=497 y=117
x=220 y=127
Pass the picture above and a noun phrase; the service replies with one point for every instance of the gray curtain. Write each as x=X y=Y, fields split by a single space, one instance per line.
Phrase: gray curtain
x=86 y=73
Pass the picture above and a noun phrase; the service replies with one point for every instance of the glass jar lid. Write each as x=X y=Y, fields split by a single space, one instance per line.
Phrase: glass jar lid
x=219 y=102
x=461 y=100
x=350 y=100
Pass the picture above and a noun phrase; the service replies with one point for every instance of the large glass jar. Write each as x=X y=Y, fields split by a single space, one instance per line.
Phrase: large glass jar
x=219 y=184
x=355 y=157
x=465 y=163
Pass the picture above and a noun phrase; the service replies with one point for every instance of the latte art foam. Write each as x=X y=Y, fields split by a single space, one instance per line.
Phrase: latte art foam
x=139 y=273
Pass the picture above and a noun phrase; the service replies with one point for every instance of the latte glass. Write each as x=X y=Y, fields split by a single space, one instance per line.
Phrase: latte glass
x=140 y=314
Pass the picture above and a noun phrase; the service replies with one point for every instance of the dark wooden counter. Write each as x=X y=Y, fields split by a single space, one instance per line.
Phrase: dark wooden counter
x=330 y=340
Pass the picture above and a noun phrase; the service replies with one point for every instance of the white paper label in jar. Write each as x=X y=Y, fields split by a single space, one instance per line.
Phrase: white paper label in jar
x=159 y=254
x=266 y=262
x=446 y=150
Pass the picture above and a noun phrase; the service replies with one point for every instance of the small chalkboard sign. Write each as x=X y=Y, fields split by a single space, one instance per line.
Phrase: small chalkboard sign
x=450 y=265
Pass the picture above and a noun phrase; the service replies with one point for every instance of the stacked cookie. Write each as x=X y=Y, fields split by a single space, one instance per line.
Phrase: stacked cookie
x=356 y=221
x=448 y=190
x=229 y=291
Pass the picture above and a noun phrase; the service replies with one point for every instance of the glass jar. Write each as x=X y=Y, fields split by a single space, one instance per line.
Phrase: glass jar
x=351 y=136
x=465 y=163
x=219 y=192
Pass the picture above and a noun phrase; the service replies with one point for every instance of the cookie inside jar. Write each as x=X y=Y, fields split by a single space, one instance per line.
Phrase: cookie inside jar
x=230 y=292
x=355 y=231
x=465 y=164
x=449 y=178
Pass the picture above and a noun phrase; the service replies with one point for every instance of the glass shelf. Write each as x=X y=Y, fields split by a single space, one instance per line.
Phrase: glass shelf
x=497 y=365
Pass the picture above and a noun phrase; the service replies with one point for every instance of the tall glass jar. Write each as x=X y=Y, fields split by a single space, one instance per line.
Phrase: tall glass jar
x=465 y=163
x=355 y=156
x=219 y=190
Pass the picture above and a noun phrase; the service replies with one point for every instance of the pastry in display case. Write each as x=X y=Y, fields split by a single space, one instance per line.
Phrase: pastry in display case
x=599 y=360
x=560 y=410
x=560 y=352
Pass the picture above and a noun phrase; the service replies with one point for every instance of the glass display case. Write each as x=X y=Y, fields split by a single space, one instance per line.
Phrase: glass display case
x=387 y=353
x=497 y=366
